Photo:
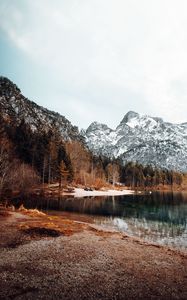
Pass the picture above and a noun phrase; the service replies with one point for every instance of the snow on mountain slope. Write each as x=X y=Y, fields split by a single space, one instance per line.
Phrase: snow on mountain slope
x=145 y=139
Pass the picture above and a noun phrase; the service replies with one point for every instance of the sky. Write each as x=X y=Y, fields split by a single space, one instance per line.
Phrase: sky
x=94 y=60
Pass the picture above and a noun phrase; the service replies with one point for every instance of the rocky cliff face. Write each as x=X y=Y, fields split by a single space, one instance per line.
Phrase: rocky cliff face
x=14 y=107
x=145 y=139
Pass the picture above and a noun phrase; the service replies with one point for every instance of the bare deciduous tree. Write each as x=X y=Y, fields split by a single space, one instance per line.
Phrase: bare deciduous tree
x=5 y=162
x=113 y=173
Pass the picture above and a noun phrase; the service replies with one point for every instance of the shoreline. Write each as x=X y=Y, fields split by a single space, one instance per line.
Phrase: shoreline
x=79 y=191
x=31 y=215
x=51 y=221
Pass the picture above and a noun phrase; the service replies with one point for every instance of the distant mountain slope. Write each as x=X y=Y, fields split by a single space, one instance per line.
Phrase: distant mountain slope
x=14 y=107
x=145 y=139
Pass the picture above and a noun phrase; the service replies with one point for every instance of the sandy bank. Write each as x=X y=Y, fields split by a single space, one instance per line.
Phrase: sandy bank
x=82 y=193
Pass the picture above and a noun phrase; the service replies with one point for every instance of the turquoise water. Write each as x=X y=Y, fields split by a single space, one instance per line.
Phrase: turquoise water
x=157 y=217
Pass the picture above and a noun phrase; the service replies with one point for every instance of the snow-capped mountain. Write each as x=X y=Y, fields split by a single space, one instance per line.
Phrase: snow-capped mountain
x=14 y=108
x=141 y=138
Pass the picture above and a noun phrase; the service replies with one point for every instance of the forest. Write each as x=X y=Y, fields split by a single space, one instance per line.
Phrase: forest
x=35 y=158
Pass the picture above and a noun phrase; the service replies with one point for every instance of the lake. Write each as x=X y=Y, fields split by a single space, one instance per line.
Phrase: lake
x=159 y=217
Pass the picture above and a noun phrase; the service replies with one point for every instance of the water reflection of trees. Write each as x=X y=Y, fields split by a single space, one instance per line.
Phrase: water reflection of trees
x=156 y=215
x=152 y=230
x=170 y=208
x=156 y=229
x=162 y=207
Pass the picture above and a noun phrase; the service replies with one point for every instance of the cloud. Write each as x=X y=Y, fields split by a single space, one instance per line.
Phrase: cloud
x=118 y=55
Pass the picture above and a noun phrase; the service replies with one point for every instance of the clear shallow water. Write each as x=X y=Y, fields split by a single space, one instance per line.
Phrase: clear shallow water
x=157 y=217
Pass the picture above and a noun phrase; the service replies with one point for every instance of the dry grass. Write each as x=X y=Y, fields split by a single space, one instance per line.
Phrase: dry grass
x=31 y=212
x=39 y=220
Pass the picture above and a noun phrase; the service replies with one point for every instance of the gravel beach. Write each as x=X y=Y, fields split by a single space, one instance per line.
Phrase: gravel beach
x=53 y=258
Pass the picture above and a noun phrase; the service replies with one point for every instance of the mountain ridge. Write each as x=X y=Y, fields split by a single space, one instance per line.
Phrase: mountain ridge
x=141 y=138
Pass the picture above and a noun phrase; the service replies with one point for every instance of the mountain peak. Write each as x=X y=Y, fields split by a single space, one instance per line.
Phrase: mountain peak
x=130 y=115
x=7 y=87
x=97 y=126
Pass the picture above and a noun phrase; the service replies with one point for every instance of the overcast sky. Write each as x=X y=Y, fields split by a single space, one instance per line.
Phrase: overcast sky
x=97 y=59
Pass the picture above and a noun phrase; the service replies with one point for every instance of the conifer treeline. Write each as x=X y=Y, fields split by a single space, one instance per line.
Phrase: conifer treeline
x=137 y=175
x=44 y=151
x=15 y=174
